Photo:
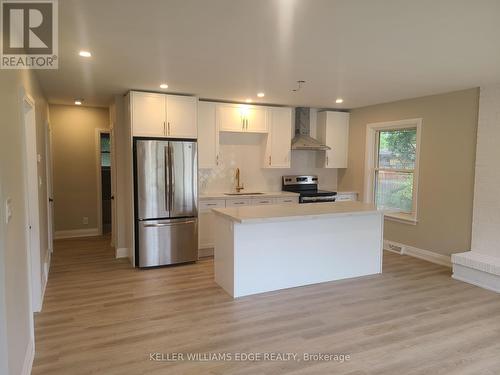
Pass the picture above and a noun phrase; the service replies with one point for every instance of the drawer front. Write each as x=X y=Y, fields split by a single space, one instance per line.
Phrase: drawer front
x=211 y=203
x=287 y=200
x=237 y=202
x=345 y=197
x=262 y=201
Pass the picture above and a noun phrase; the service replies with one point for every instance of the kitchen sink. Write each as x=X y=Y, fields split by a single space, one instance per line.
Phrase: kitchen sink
x=243 y=193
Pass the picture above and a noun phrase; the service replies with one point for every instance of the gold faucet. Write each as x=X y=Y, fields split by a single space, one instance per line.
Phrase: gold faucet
x=238 y=186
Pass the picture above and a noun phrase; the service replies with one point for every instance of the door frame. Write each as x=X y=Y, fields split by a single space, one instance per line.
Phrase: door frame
x=50 y=187
x=32 y=211
x=113 y=183
x=98 y=133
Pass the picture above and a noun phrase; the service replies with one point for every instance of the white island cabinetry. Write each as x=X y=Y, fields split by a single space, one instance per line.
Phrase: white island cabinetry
x=294 y=245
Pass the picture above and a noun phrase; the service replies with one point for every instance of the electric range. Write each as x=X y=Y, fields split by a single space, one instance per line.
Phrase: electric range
x=307 y=187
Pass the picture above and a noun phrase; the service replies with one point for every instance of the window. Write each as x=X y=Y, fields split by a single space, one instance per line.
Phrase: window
x=105 y=150
x=392 y=168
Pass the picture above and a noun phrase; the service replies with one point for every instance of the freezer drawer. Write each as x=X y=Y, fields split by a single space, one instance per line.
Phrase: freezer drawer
x=163 y=242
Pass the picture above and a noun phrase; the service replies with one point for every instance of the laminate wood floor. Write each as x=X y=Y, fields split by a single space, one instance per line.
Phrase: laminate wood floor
x=100 y=316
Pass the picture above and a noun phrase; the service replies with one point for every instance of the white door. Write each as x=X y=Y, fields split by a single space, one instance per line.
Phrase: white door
x=208 y=140
x=148 y=114
x=230 y=117
x=181 y=116
x=280 y=137
x=256 y=118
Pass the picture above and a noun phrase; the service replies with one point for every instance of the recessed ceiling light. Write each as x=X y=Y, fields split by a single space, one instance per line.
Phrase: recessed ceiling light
x=261 y=94
x=85 y=54
x=78 y=101
x=248 y=100
x=163 y=86
x=339 y=101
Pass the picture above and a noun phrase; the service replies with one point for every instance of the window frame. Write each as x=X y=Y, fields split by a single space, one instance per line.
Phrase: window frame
x=371 y=165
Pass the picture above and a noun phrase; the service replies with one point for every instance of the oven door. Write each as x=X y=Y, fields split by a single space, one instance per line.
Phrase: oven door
x=318 y=199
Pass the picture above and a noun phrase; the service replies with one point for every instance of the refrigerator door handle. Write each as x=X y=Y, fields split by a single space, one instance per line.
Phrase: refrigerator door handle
x=169 y=224
x=171 y=177
x=167 y=178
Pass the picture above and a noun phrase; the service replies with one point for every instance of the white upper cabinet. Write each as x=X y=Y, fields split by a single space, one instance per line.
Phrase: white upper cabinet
x=278 y=143
x=230 y=117
x=208 y=137
x=181 y=116
x=256 y=119
x=160 y=115
x=242 y=118
x=333 y=130
x=148 y=114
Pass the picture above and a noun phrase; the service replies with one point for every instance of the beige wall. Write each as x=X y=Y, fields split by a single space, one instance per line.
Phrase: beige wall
x=123 y=170
x=446 y=176
x=15 y=296
x=75 y=165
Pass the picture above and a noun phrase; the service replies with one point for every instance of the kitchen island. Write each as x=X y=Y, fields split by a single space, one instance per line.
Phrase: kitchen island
x=264 y=248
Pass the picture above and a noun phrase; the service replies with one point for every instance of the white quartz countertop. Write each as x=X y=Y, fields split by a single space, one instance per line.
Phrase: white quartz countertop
x=257 y=214
x=265 y=194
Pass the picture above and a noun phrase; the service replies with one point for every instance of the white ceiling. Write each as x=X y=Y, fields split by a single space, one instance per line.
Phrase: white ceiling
x=366 y=52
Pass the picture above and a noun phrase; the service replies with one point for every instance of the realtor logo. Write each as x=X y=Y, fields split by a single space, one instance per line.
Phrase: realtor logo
x=29 y=34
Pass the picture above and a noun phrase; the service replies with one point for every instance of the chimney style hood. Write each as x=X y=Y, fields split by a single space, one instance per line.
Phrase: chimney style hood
x=302 y=139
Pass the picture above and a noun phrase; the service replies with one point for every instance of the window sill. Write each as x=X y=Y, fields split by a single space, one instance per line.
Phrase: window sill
x=401 y=218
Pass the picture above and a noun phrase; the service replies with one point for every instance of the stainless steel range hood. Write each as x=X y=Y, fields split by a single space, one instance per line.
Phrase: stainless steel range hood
x=302 y=139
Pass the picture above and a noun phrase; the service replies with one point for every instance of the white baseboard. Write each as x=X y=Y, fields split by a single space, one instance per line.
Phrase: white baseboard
x=28 y=358
x=429 y=256
x=205 y=252
x=478 y=269
x=74 y=233
x=121 y=252
x=476 y=277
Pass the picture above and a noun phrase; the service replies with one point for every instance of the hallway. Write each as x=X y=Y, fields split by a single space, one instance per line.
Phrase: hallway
x=102 y=317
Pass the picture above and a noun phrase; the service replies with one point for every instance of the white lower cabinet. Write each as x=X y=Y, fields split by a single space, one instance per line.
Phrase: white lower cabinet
x=206 y=240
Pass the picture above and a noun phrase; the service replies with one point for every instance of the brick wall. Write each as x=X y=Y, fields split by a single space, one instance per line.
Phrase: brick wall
x=486 y=217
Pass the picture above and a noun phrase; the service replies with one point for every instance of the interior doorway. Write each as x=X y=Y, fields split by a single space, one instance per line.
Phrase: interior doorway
x=105 y=195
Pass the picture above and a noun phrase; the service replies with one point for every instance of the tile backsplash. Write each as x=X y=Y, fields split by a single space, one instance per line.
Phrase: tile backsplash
x=244 y=151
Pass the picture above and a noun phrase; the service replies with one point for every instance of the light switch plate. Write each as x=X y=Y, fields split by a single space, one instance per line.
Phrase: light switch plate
x=8 y=210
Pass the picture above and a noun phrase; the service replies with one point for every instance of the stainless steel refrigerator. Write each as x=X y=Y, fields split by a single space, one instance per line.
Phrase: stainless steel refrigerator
x=166 y=201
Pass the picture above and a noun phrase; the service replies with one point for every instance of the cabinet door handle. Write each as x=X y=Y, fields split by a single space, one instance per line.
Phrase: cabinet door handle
x=246 y=122
x=168 y=128
x=242 y=123
x=327 y=160
x=217 y=159
x=269 y=159
x=164 y=128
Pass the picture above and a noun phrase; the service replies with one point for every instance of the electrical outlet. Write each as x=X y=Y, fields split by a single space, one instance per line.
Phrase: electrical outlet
x=85 y=220
x=8 y=210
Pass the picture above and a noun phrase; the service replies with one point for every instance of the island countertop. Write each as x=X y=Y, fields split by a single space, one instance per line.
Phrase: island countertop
x=258 y=214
